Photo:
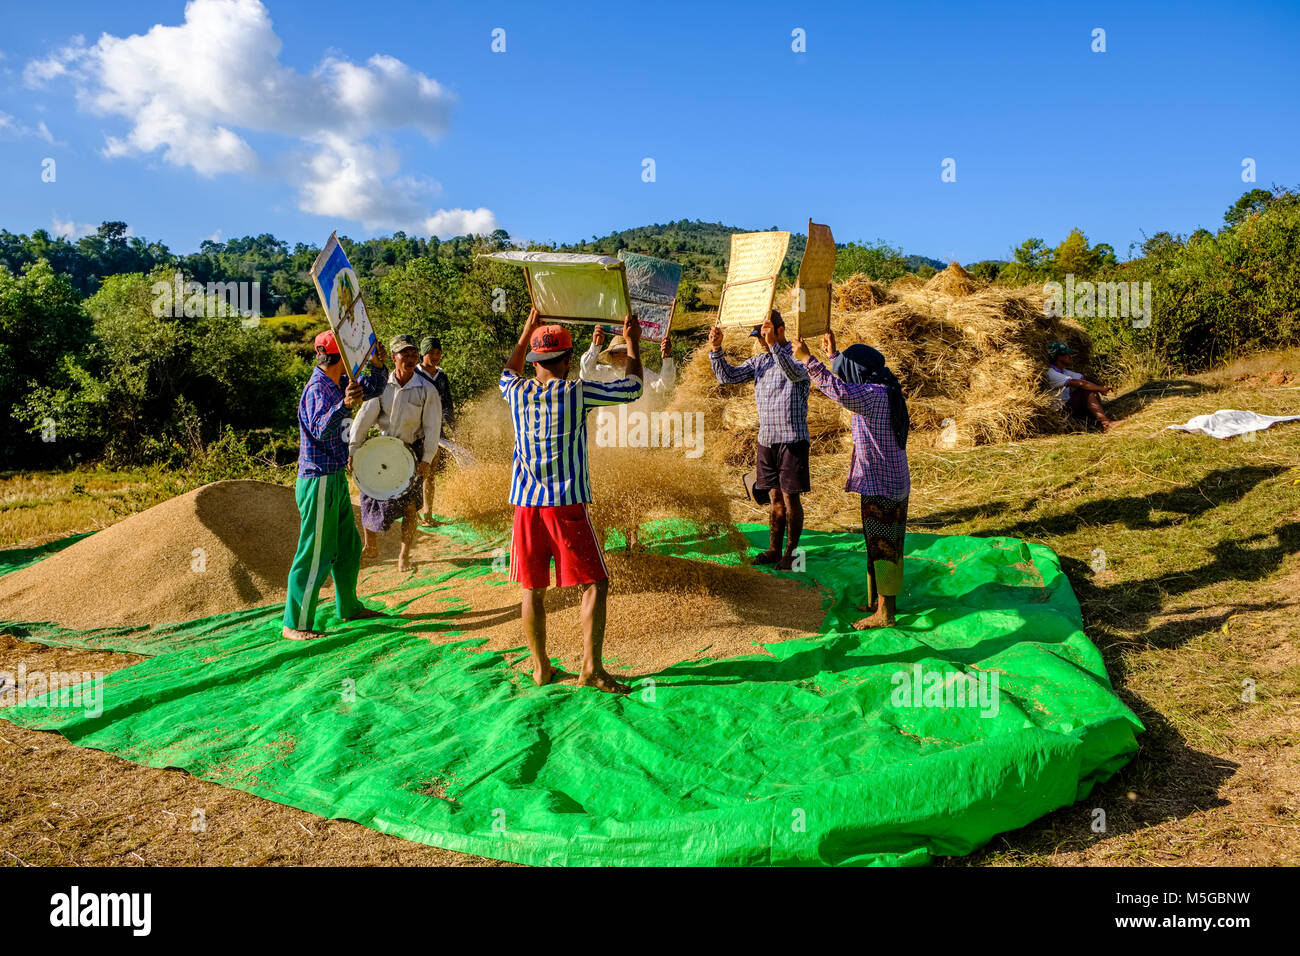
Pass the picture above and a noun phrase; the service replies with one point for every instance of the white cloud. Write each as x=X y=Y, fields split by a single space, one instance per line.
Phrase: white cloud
x=459 y=222
x=194 y=92
x=22 y=130
x=70 y=230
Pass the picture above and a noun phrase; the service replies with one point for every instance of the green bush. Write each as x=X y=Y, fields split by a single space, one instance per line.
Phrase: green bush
x=145 y=378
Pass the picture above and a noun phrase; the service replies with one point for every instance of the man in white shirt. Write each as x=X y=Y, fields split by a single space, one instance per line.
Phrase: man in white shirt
x=1077 y=395
x=409 y=408
x=611 y=366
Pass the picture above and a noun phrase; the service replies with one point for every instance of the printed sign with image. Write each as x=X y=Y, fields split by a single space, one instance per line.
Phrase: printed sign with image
x=339 y=289
x=652 y=289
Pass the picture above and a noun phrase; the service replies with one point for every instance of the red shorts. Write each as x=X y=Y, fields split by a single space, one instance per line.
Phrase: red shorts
x=562 y=532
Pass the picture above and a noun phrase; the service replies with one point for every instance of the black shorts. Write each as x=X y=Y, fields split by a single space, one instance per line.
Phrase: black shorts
x=783 y=465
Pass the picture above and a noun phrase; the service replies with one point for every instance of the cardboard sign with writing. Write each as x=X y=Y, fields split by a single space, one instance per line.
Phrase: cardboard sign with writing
x=340 y=295
x=812 y=293
x=571 y=286
x=752 y=272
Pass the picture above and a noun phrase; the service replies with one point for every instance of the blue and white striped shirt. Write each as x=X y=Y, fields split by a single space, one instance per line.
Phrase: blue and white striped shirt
x=550 y=460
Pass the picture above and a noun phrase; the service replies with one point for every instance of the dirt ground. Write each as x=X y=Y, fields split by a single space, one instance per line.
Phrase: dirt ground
x=1194 y=612
x=65 y=805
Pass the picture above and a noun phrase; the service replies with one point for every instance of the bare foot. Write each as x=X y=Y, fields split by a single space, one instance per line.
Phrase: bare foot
x=767 y=557
x=427 y=519
x=786 y=563
x=365 y=614
x=405 y=564
x=881 y=618
x=293 y=634
x=604 y=682
x=543 y=675
x=371 y=552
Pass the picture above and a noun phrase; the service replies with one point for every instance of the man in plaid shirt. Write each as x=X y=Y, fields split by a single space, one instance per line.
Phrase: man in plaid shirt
x=328 y=541
x=781 y=391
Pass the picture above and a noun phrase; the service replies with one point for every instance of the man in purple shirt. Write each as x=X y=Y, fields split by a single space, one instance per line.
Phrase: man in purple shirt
x=328 y=541
x=781 y=391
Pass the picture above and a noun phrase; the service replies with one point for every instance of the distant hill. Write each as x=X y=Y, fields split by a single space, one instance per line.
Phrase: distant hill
x=917 y=262
x=702 y=249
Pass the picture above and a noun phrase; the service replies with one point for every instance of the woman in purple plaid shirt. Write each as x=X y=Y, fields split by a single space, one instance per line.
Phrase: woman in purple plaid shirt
x=861 y=382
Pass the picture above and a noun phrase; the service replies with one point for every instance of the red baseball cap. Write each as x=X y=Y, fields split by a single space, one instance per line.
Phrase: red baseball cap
x=549 y=342
x=326 y=344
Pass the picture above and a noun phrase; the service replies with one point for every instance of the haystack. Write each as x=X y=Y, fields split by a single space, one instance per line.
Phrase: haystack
x=953 y=281
x=220 y=548
x=971 y=364
x=860 y=293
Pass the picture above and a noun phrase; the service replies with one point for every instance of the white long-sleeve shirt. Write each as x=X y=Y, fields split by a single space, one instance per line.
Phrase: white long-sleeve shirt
x=409 y=412
x=657 y=384
x=656 y=387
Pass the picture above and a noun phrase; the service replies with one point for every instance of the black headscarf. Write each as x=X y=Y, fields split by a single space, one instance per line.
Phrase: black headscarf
x=863 y=365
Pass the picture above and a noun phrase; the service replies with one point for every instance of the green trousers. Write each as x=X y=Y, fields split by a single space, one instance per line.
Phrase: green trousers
x=328 y=543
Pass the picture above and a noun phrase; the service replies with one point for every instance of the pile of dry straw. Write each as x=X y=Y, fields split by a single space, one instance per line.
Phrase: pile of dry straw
x=970 y=358
x=630 y=486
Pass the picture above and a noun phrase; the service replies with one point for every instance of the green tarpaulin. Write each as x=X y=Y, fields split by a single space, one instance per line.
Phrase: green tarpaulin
x=986 y=708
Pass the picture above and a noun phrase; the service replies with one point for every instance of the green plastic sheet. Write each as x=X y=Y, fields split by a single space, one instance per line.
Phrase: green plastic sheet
x=809 y=753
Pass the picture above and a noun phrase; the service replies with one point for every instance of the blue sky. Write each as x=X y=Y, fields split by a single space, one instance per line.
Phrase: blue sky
x=547 y=139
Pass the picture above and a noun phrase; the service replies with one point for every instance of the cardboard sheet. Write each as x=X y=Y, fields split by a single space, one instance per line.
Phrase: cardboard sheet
x=752 y=272
x=811 y=306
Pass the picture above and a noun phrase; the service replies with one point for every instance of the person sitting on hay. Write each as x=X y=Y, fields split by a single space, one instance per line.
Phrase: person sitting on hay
x=1077 y=395
x=860 y=381
x=781 y=392
x=550 y=488
x=409 y=409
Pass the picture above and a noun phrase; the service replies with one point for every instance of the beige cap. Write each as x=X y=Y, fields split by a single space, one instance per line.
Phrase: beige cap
x=616 y=344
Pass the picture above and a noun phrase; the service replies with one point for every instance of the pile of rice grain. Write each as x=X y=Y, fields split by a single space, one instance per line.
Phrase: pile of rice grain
x=661 y=610
x=220 y=548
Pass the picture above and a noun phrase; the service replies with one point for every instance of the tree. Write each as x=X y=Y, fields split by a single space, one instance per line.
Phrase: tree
x=1252 y=203
x=152 y=376
x=1032 y=254
x=40 y=321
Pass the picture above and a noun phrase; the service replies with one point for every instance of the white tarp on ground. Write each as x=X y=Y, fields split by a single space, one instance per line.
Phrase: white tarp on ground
x=1227 y=422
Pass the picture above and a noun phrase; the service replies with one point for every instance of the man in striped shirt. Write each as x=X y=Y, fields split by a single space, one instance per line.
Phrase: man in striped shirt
x=550 y=488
